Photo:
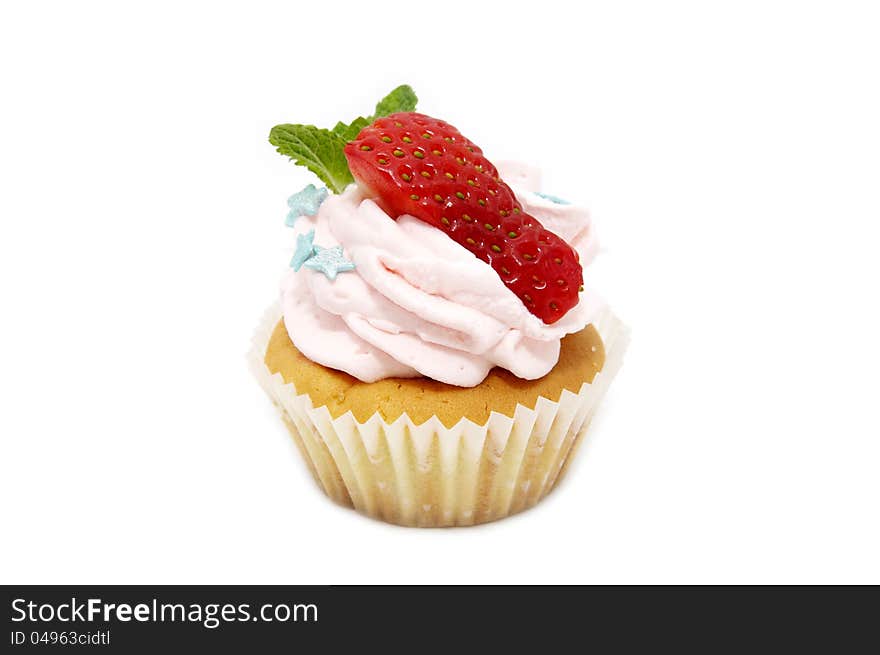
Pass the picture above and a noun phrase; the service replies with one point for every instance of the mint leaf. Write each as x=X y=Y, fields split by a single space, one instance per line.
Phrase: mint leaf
x=322 y=151
x=319 y=150
x=349 y=132
x=403 y=98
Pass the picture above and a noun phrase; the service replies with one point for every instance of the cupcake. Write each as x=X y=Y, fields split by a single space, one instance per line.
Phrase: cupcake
x=435 y=352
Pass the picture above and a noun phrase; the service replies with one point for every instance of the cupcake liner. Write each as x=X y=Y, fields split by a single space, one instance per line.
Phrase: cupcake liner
x=430 y=475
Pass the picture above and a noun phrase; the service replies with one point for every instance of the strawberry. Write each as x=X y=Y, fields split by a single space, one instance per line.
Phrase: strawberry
x=424 y=167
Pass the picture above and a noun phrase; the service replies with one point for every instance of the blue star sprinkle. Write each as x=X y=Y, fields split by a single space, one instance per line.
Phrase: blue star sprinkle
x=329 y=261
x=305 y=203
x=304 y=249
x=554 y=199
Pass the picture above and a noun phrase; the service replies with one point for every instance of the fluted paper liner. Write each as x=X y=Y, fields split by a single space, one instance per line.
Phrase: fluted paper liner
x=430 y=475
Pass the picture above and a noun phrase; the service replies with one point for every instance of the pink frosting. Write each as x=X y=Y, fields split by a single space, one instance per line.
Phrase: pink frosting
x=419 y=304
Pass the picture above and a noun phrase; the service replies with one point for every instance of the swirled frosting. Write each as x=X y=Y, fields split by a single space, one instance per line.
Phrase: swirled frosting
x=419 y=304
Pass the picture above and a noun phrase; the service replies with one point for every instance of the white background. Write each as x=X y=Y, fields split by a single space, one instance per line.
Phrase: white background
x=729 y=152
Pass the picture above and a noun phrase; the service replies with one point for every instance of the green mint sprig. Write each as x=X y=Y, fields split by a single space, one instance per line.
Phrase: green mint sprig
x=321 y=150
